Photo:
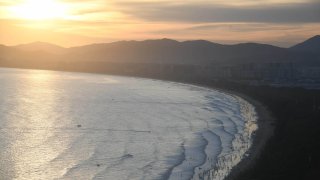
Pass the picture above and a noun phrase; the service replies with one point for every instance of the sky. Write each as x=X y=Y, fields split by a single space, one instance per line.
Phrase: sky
x=78 y=22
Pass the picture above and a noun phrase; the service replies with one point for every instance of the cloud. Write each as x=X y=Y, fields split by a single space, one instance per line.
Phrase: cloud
x=195 y=11
x=303 y=12
x=245 y=27
x=283 y=35
x=278 y=22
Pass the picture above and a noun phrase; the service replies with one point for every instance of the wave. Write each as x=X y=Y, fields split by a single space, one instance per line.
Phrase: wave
x=234 y=152
x=78 y=128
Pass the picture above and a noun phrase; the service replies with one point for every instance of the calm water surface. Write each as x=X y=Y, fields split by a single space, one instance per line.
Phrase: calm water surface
x=59 y=125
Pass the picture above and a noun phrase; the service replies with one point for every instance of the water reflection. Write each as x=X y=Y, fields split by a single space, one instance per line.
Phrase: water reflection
x=30 y=125
x=130 y=128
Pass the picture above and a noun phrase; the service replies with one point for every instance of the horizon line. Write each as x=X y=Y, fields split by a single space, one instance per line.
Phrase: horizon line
x=143 y=40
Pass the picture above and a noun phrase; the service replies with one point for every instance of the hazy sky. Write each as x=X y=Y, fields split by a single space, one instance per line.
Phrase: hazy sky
x=77 y=22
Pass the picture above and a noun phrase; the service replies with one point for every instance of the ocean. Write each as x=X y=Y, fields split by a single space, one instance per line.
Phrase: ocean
x=64 y=125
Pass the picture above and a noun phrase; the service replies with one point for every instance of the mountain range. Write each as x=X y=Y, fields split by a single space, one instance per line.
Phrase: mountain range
x=141 y=57
x=310 y=45
x=41 y=46
x=169 y=51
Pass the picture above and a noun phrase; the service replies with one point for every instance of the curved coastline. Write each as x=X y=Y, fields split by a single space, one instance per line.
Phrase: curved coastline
x=263 y=133
x=264 y=121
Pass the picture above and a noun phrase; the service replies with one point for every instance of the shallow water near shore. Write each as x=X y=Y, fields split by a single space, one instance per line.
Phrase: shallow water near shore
x=60 y=125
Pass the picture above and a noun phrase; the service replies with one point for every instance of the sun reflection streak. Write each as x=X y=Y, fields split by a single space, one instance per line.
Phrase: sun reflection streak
x=31 y=121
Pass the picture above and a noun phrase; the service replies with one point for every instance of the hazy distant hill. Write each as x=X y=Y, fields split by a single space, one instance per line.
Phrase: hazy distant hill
x=310 y=45
x=41 y=46
x=7 y=52
x=5 y=49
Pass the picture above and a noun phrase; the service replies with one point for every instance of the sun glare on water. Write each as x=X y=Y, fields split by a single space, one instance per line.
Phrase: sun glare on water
x=39 y=10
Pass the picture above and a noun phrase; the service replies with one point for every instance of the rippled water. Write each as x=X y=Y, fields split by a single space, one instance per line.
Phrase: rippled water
x=59 y=125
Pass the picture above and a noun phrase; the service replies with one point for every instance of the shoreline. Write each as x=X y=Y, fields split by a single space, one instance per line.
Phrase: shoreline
x=264 y=132
x=264 y=120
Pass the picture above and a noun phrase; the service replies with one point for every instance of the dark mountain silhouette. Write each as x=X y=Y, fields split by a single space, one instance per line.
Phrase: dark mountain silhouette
x=168 y=58
x=310 y=45
x=166 y=51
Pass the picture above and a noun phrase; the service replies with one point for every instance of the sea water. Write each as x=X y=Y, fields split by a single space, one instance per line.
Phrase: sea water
x=62 y=125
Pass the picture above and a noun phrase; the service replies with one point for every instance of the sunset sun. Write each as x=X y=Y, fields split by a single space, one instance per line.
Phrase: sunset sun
x=39 y=10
